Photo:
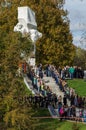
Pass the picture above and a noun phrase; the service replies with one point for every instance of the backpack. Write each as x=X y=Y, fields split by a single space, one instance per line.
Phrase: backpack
x=61 y=111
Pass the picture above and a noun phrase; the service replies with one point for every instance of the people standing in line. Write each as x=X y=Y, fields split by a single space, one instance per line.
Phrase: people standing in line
x=35 y=81
x=59 y=70
x=71 y=72
x=80 y=72
x=65 y=100
x=59 y=102
x=63 y=73
x=48 y=70
x=38 y=83
x=61 y=113
x=73 y=112
x=69 y=112
x=80 y=101
x=72 y=100
x=66 y=111
x=76 y=100
x=40 y=72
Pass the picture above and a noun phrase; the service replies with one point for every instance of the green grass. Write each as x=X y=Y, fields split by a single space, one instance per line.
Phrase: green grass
x=79 y=85
x=41 y=112
x=55 y=124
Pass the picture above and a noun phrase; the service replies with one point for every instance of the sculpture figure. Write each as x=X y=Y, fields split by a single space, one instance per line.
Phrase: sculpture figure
x=27 y=23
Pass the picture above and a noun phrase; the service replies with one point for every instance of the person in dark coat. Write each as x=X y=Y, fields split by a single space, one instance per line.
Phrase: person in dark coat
x=65 y=100
x=72 y=100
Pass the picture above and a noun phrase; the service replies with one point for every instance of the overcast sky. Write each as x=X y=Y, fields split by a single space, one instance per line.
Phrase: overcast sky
x=77 y=16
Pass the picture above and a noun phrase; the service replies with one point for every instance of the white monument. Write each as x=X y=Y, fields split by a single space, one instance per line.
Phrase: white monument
x=27 y=23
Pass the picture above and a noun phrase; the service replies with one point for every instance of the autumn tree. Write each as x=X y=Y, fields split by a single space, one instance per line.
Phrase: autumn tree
x=80 y=58
x=14 y=115
x=55 y=46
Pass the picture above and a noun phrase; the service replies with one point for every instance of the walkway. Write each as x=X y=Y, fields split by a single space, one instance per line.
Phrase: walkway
x=54 y=87
x=48 y=81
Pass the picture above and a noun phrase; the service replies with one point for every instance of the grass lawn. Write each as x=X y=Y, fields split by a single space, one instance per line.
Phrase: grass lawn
x=79 y=85
x=55 y=124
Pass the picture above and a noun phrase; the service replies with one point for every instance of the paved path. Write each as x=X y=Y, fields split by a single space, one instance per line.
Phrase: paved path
x=54 y=87
x=48 y=81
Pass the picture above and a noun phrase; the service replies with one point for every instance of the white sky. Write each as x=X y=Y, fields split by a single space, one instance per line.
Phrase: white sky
x=77 y=16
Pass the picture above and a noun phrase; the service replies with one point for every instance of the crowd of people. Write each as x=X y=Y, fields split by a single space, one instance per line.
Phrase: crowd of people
x=71 y=72
x=45 y=97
